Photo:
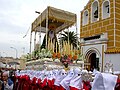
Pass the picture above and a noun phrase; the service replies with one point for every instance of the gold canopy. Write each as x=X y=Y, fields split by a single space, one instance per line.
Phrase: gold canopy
x=56 y=19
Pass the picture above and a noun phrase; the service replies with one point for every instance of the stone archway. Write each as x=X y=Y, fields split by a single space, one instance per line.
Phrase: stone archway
x=94 y=61
x=92 y=57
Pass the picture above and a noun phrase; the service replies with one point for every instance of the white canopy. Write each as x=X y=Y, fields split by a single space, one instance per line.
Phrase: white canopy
x=53 y=18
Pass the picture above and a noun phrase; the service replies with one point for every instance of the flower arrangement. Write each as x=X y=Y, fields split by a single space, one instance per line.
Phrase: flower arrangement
x=56 y=55
x=66 y=59
x=45 y=54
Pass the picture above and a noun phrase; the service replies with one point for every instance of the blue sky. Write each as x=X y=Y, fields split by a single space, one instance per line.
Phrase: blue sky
x=16 y=17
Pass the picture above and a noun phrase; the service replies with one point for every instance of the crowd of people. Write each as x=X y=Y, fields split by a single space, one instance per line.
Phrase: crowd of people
x=7 y=79
x=73 y=79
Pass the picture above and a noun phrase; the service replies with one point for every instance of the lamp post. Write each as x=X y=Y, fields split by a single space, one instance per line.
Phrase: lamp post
x=15 y=50
x=39 y=32
x=37 y=12
x=16 y=54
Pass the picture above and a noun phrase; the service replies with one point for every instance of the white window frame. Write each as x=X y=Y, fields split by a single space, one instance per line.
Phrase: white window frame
x=83 y=23
x=92 y=11
x=109 y=8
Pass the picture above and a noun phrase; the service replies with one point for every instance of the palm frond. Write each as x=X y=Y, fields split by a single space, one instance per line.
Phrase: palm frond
x=73 y=39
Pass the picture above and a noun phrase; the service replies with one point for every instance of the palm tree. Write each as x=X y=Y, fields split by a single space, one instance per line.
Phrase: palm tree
x=71 y=36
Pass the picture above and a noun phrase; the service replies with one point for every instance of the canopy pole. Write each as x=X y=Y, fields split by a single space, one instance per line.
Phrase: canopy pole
x=76 y=34
x=68 y=34
x=30 y=43
x=40 y=39
x=35 y=40
x=60 y=43
x=40 y=34
x=46 y=26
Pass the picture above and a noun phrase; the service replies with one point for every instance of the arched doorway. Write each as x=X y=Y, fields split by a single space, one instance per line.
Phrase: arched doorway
x=94 y=61
x=92 y=58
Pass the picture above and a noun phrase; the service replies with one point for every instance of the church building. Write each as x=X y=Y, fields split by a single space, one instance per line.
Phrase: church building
x=100 y=34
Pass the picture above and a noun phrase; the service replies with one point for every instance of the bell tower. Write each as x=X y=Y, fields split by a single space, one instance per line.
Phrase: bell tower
x=100 y=29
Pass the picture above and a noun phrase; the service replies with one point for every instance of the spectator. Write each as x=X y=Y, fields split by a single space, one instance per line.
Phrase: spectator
x=0 y=75
x=11 y=75
x=0 y=85
x=8 y=84
x=1 y=82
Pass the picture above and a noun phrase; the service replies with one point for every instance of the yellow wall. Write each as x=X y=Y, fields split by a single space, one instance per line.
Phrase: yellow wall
x=103 y=25
x=117 y=21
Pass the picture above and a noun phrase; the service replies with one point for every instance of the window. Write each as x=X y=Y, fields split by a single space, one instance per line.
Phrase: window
x=105 y=9
x=92 y=38
x=85 y=17
x=95 y=11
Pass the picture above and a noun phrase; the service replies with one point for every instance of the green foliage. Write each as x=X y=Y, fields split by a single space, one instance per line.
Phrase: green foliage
x=27 y=57
x=73 y=39
x=80 y=56
x=45 y=53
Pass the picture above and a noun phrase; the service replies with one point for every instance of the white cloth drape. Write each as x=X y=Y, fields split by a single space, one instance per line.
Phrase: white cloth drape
x=104 y=81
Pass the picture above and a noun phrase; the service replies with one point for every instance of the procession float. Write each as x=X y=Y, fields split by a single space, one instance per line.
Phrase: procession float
x=56 y=50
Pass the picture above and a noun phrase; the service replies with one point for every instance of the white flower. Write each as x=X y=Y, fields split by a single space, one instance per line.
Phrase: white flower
x=56 y=60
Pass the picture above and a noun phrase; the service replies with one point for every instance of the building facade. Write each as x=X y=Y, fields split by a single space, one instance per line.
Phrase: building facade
x=9 y=62
x=100 y=34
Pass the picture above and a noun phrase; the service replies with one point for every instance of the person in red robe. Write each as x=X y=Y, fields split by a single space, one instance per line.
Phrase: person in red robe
x=117 y=86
